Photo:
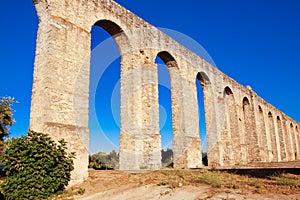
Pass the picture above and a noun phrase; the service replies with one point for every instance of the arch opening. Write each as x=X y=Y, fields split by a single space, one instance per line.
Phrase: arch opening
x=246 y=103
x=227 y=91
x=104 y=95
x=203 y=86
x=295 y=141
x=203 y=79
x=231 y=137
x=111 y=27
x=163 y=61
x=168 y=59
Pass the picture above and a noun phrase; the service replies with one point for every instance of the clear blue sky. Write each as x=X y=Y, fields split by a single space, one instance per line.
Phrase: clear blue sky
x=255 y=42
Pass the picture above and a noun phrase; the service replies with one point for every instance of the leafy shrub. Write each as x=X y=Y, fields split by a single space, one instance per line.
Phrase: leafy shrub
x=36 y=167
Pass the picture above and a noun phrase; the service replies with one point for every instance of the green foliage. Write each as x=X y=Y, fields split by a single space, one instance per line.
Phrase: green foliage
x=36 y=167
x=6 y=114
x=167 y=158
x=212 y=178
x=287 y=181
x=255 y=183
x=102 y=160
x=81 y=191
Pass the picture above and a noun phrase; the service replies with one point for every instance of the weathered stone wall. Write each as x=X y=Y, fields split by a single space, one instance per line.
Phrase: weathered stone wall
x=241 y=127
x=260 y=132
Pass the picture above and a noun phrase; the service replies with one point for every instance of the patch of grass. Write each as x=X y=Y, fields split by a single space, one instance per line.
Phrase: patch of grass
x=179 y=173
x=287 y=181
x=211 y=178
x=81 y=191
x=67 y=194
x=259 y=191
x=233 y=185
x=255 y=183
x=173 y=178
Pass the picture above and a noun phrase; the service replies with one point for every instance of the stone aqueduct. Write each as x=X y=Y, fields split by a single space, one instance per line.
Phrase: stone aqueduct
x=241 y=127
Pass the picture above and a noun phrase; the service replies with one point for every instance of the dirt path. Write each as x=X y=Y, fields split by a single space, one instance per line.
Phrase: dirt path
x=148 y=192
x=185 y=185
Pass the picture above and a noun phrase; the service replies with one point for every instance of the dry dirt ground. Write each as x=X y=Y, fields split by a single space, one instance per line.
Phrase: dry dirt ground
x=186 y=184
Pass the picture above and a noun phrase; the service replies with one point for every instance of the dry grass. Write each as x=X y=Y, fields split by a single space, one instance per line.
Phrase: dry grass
x=260 y=182
x=254 y=182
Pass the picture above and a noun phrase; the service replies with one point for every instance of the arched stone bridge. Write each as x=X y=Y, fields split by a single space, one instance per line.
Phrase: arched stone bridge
x=242 y=128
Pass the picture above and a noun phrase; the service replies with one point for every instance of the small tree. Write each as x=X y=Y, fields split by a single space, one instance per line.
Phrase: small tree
x=6 y=114
x=6 y=120
x=36 y=167
x=102 y=160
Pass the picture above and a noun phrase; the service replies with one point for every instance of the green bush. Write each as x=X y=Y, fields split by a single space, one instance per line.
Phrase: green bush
x=36 y=167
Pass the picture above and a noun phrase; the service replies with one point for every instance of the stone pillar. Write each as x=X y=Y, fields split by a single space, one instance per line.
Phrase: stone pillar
x=298 y=136
x=286 y=139
x=59 y=104
x=140 y=141
x=212 y=129
x=250 y=134
x=261 y=129
x=291 y=140
x=186 y=140
x=295 y=138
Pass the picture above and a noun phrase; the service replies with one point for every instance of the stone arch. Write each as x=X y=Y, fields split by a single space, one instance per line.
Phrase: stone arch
x=262 y=130
x=172 y=67
x=298 y=137
x=168 y=59
x=111 y=27
x=231 y=137
x=250 y=136
x=186 y=140
x=164 y=99
x=120 y=39
x=294 y=141
x=62 y=48
x=287 y=139
x=227 y=91
x=117 y=32
x=247 y=133
x=273 y=148
x=282 y=147
x=204 y=96
x=203 y=79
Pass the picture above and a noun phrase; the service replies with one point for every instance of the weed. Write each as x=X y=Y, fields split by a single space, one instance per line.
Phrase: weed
x=179 y=173
x=255 y=183
x=259 y=190
x=210 y=178
x=235 y=186
x=287 y=181
x=143 y=167
x=81 y=191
